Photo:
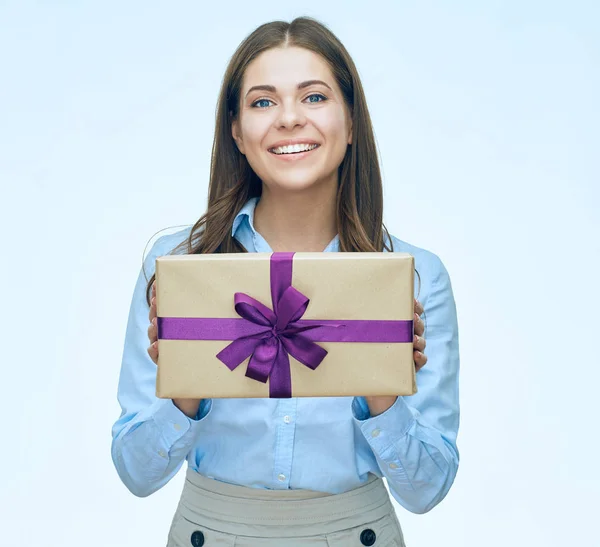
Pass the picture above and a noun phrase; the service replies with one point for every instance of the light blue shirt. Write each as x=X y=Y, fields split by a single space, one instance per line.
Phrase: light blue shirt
x=322 y=444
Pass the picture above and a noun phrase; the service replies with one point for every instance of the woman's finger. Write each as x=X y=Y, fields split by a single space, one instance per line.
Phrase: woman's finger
x=153 y=352
x=419 y=343
x=152 y=312
x=420 y=360
x=153 y=331
x=418 y=307
x=419 y=325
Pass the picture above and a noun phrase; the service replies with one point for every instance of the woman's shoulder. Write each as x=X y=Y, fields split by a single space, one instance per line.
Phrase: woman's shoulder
x=428 y=264
x=169 y=242
x=163 y=245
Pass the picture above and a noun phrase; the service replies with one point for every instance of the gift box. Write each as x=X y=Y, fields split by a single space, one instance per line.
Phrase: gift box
x=285 y=325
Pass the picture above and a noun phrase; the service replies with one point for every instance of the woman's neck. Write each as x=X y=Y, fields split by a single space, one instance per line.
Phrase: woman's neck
x=299 y=222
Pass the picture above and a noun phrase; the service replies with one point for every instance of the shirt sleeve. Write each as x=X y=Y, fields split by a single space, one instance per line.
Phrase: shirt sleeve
x=414 y=441
x=152 y=437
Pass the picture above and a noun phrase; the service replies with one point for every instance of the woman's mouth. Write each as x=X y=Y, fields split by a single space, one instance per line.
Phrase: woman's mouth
x=293 y=150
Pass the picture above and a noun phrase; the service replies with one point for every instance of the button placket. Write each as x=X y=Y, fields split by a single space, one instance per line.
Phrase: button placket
x=285 y=431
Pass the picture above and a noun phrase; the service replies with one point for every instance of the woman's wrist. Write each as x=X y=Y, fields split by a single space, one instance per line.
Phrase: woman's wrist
x=188 y=406
x=378 y=405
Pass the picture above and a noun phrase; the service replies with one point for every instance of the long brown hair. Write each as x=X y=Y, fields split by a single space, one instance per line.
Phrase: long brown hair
x=232 y=180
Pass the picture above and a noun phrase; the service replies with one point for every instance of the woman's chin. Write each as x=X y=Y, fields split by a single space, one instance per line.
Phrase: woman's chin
x=293 y=185
x=297 y=181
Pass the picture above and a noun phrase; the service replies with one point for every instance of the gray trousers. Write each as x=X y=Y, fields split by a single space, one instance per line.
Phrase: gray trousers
x=212 y=513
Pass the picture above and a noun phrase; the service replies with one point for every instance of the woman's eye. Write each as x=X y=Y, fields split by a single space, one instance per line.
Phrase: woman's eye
x=261 y=103
x=316 y=98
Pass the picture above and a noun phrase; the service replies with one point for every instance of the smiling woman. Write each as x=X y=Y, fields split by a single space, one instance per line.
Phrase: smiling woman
x=294 y=168
x=290 y=81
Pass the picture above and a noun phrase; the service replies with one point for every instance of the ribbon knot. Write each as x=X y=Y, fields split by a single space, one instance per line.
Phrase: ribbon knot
x=274 y=336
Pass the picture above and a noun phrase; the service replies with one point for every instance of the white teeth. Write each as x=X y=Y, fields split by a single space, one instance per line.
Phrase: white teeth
x=293 y=148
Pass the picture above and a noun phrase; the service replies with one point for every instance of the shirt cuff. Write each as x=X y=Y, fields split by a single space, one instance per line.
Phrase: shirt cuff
x=172 y=422
x=385 y=429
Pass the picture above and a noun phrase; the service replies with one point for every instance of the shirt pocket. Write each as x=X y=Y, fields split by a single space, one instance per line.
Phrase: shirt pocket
x=384 y=532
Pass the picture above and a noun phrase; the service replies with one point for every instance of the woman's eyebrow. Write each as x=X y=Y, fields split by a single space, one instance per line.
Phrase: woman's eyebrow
x=308 y=83
x=273 y=89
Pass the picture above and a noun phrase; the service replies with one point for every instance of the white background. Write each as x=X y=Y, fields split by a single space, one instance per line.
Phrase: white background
x=486 y=114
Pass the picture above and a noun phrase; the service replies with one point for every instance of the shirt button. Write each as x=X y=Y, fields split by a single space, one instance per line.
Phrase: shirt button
x=162 y=453
x=281 y=477
x=287 y=419
x=177 y=427
x=375 y=432
x=393 y=466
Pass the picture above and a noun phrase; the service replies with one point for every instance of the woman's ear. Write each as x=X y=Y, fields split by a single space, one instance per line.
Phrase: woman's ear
x=235 y=132
x=350 y=131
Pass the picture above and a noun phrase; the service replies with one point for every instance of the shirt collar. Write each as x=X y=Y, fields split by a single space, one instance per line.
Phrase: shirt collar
x=247 y=211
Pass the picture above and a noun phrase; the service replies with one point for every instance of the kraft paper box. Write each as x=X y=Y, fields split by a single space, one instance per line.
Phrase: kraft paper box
x=342 y=325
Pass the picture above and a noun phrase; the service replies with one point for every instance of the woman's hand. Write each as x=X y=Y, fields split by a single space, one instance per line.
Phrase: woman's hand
x=380 y=404
x=187 y=406
x=419 y=341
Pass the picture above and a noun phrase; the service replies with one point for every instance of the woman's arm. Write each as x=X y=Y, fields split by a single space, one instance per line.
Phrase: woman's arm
x=414 y=441
x=152 y=437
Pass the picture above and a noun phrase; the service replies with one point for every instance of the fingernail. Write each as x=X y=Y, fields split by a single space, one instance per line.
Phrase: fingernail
x=154 y=322
x=416 y=339
x=416 y=316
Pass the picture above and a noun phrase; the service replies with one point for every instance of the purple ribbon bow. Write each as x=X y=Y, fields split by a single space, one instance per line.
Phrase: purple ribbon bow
x=270 y=337
x=281 y=335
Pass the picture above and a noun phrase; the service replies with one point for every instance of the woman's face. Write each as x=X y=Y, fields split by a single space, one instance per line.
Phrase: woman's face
x=294 y=126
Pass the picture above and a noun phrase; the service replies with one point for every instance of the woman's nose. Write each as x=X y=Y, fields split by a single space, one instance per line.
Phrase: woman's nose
x=290 y=115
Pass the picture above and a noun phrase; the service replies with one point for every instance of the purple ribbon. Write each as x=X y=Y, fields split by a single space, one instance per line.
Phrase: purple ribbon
x=269 y=337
